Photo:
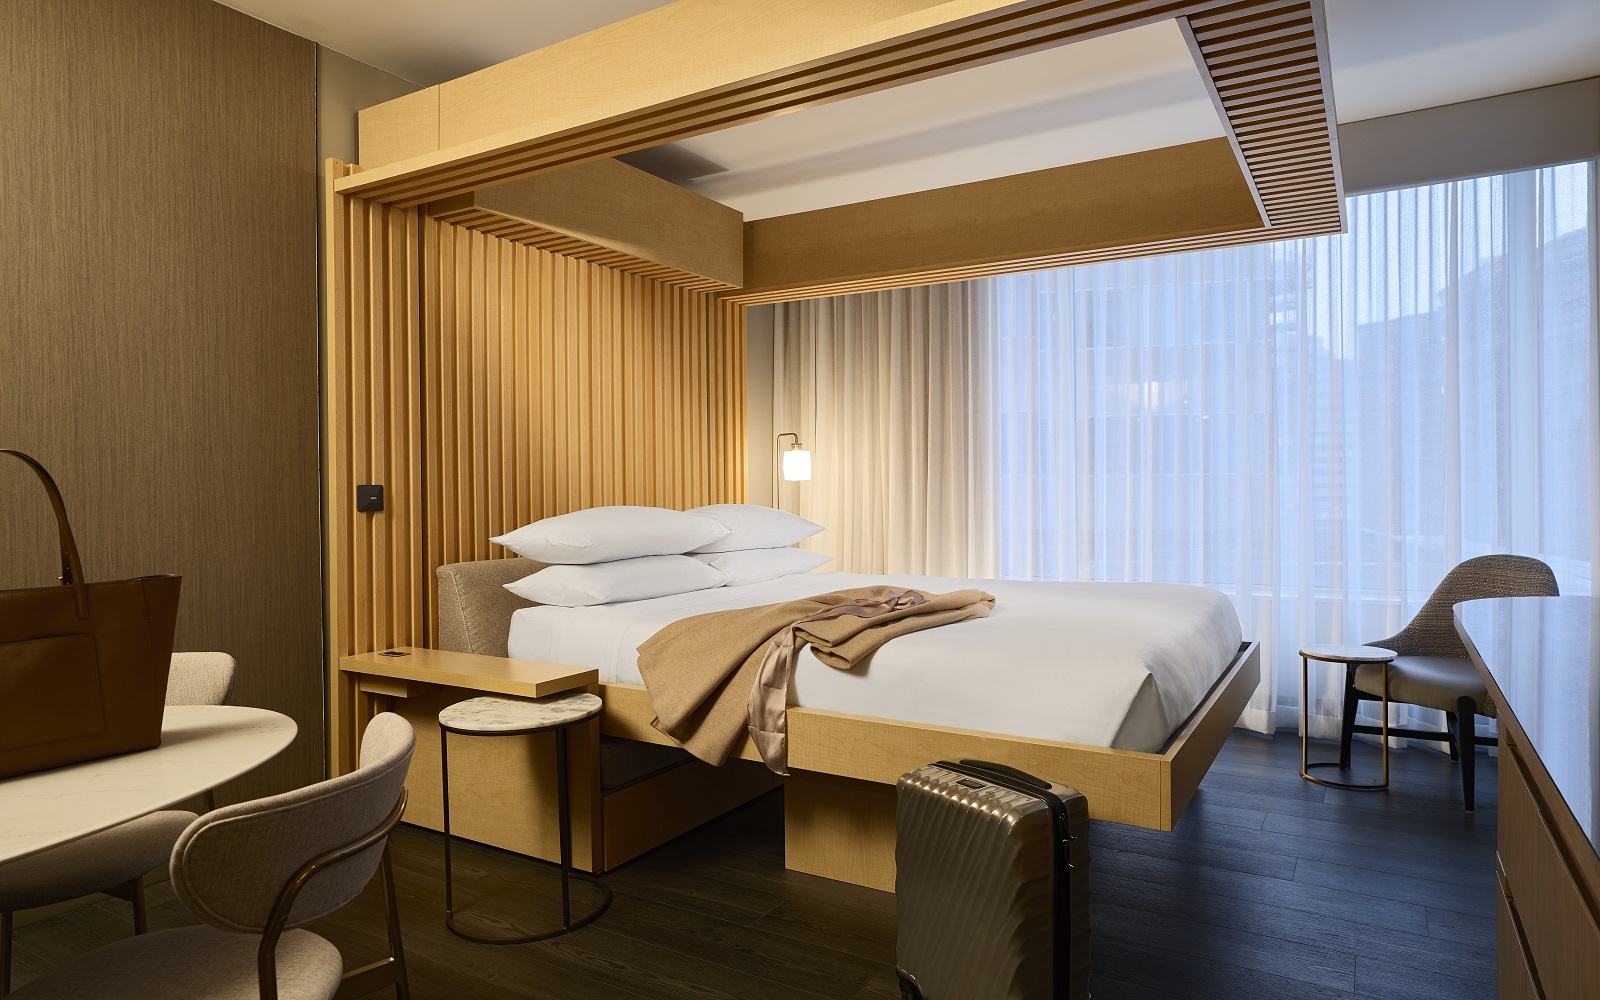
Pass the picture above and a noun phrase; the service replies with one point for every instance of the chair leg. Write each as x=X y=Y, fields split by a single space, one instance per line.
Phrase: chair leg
x=141 y=918
x=5 y=952
x=1455 y=736
x=1352 y=706
x=397 y=951
x=133 y=892
x=1467 y=723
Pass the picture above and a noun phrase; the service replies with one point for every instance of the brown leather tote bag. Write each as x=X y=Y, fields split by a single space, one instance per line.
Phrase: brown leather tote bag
x=83 y=666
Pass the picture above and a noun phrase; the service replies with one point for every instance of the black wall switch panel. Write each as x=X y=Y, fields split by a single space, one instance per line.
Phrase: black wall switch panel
x=369 y=499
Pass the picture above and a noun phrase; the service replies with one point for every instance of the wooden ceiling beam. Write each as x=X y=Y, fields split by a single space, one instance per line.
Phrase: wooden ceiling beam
x=697 y=66
x=610 y=213
x=701 y=65
x=1018 y=222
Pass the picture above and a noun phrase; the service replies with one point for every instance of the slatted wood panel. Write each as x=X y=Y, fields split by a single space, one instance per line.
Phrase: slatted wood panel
x=1267 y=68
x=704 y=65
x=555 y=384
x=372 y=433
x=528 y=234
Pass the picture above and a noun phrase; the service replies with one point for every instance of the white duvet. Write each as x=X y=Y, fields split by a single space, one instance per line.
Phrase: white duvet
x=1104 y=664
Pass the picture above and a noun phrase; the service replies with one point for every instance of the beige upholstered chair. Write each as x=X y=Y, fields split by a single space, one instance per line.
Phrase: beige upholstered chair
x=255 y=872
x=1432 y=669
x=113 y=860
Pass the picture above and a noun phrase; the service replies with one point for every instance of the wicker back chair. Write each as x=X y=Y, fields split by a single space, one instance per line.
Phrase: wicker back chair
x=1431 y=666
x=1433 y=631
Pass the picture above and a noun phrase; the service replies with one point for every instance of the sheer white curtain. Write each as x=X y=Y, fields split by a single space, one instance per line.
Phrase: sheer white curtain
x=1319 y=428
x=892 y=391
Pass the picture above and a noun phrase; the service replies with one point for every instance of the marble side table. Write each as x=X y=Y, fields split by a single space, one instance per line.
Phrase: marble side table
x=499 y=716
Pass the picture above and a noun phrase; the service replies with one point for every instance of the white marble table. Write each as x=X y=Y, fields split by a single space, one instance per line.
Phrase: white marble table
x=201 y=747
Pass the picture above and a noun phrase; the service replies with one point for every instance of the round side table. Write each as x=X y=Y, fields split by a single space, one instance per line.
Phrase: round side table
x=496 y=716
x=1350 y=656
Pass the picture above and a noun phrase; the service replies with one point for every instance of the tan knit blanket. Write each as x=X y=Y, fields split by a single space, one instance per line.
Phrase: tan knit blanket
x=714 y=677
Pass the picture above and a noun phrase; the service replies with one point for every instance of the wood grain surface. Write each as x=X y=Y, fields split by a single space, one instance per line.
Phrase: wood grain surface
x=610 y=213
x=697 y=66
x=158 y=330
x=1041 y=219
x=554 y=384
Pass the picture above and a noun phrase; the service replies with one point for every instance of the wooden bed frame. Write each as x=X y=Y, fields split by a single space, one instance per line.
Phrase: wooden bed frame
x=839 y=797
x=840 y=793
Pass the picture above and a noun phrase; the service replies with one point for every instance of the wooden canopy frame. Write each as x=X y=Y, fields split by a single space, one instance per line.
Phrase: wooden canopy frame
x=429 y=286
x=697 y=66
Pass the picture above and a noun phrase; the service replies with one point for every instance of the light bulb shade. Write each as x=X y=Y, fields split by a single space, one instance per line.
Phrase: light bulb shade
x=796 y=465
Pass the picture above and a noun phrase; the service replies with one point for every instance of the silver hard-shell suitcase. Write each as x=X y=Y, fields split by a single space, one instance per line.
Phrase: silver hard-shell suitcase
x=991 y=884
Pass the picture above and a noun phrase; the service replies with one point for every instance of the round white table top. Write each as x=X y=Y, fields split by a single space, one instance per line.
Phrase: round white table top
x=1349 y=654
x=201 y=747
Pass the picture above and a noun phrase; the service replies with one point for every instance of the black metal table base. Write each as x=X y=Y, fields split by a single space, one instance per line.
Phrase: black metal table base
x=1305 y=725
x=564 y=818
x=1351 y=786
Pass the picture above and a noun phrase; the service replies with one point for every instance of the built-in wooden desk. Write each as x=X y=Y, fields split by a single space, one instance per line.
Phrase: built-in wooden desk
x=501 y=791
x=385 y=674
x=495 y=799
x=1540 y=657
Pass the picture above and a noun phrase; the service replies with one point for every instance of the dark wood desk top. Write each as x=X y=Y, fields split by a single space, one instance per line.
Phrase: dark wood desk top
x=1541 y=658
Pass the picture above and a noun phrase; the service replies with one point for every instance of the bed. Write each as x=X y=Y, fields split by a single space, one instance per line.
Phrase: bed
x=1102 y=664
x=1142 y=683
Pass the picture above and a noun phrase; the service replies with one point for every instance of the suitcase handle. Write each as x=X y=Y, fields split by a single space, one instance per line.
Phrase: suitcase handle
x=1010 y=772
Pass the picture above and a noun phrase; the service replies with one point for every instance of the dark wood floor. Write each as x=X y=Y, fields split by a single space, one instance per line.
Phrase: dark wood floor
x=1271 y=887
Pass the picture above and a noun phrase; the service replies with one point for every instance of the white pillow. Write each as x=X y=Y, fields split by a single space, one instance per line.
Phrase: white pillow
x=760 y=565
x=624 y=580
x=752 y=526
x=604 y=534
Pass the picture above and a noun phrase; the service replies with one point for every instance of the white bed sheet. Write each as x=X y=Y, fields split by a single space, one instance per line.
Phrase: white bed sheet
x=1103 y=664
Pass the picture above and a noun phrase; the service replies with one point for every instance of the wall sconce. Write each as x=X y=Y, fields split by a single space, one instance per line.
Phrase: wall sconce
x=795 y=463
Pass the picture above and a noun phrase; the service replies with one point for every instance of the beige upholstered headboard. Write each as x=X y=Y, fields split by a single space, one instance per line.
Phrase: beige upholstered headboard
x=475 y=608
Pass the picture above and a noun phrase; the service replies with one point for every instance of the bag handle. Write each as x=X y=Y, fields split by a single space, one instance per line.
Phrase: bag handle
x=71 y=565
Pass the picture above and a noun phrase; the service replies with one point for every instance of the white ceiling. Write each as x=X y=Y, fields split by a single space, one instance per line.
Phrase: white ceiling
x=1391 y=56
x=1121 y=93
x=1127 y=92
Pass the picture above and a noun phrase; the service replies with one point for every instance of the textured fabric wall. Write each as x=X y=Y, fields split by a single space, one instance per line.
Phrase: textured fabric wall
x=158 y=327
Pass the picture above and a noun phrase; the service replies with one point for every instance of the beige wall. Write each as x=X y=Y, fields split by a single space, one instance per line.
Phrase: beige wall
x=158 y=330
x=1495 y=135
x=345 y=86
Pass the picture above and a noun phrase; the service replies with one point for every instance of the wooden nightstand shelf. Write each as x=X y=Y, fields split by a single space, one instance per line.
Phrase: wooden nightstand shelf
x=386 y=673
x=511 y=799
x=417 y=683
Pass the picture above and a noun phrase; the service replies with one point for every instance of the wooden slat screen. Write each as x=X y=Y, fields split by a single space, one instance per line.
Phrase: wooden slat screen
x=486 y=384
x=554 y=384
x=372 y=424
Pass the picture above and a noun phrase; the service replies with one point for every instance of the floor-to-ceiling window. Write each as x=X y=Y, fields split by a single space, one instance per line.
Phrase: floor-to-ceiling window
x=1319 y=428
